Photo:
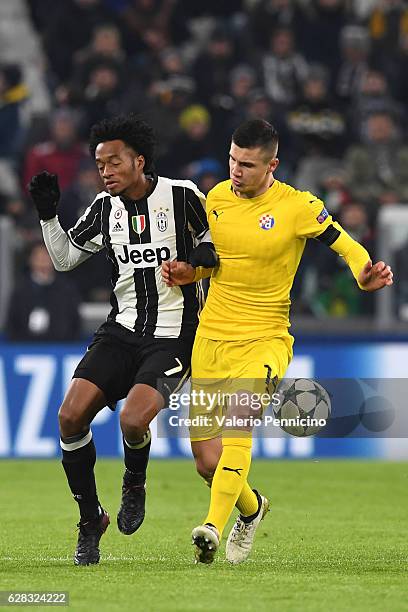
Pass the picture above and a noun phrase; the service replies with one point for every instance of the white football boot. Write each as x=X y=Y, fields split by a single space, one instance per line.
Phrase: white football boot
x=206 y=543
x=241 y=536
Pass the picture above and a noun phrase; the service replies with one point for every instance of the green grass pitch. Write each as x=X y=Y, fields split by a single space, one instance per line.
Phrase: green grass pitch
x=336 y=539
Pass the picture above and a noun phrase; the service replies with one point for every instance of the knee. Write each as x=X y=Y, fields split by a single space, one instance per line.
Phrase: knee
x=133 y=424
x=71 y=419
x=206 y=467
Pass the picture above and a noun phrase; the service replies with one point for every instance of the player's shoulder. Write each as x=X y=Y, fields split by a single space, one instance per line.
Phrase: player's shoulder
x=102 y=194
x=299 y=197
x=186 y=183
x=220 y=190
x=99 y=197
x=301 y=201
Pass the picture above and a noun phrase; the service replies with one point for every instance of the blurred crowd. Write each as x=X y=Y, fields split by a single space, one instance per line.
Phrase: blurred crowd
x=329 y=74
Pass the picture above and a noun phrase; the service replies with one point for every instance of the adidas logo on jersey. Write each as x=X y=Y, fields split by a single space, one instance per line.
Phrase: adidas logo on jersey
x=117 y=228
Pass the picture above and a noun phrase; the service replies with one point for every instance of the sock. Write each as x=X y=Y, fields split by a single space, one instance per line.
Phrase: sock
x=247 y=502
x=78 y=460
x=229 y=479
x=136 y=459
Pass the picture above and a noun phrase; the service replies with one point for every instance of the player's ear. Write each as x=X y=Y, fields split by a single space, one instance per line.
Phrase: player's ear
x=140 y=162
x=273 y=164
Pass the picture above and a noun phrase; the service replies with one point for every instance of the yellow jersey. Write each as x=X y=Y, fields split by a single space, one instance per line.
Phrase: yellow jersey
x=259 y=242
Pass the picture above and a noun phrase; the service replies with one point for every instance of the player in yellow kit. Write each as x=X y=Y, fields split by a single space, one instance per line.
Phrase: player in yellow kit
x=259 y=228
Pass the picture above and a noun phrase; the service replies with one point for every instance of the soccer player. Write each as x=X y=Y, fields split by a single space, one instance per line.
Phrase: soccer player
x=143 y=350
x=259 y=227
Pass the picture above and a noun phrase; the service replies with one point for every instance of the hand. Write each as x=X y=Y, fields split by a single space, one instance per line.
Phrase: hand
x=45 y=192
x=203 y=255
x=176 y=273
x=377 y=276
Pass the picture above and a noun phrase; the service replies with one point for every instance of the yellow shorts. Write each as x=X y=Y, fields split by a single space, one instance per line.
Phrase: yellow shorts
x=225 y=372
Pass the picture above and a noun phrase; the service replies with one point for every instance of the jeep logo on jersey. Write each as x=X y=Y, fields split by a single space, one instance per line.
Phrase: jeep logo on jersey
x=161 y=220
x=141 y=255
x=139 y=223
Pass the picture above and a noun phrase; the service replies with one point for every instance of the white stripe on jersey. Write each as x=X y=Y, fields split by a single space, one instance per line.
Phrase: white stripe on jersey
x=170 y=311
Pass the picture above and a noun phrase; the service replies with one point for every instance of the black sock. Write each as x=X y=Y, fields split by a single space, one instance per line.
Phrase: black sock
x=78 y=460
x=136 y=459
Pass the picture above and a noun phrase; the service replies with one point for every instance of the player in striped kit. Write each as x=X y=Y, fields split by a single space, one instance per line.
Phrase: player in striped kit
x=142 y=352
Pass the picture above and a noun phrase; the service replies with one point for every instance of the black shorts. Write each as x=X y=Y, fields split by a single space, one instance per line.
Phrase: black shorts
x=116 y=360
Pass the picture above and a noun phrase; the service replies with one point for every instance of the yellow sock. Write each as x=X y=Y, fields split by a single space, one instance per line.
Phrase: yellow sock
x=247 y=502
x=229 y=479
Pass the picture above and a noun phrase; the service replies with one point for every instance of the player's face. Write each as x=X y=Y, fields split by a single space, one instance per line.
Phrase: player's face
x=251 y=171
x=120 y=168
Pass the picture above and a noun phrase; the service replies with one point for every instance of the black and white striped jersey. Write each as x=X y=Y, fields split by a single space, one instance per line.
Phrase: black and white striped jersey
x=138 y=236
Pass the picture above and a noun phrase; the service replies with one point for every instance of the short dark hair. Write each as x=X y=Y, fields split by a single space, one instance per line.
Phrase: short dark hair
x=256 y=133
x=134 y=132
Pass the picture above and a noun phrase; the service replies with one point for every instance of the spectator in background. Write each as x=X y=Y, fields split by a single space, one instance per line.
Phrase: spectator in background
x=377 y=168
x=267 y=15
x=105 y=45
x=388 y=22
x=396 y=66
x=355 y=52
x=319 y=34
x=230 y=110
x=167 y=100
x=103 y=93
x=65 y=27
x=76 y=199
x=333 y=188
x=283 y=68
x=13 y=94
x=212 y=67
x=140 y=19
x=62 y=153
x=206 y=173
x=44 y=306
x=194 y=143
x=24 y=221
x=373 y=96
x=317 y=124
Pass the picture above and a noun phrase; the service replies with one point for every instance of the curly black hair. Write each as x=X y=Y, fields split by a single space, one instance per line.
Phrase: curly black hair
x=134 y=132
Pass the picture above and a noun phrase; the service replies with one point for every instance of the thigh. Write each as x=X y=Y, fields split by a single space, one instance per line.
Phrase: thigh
x=110 y=365
x=81 y=404
x=258 y=365
x=209 y=385
x=165 y=365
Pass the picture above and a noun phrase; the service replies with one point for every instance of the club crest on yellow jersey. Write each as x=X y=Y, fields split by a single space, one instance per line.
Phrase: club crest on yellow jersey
x=266 y=222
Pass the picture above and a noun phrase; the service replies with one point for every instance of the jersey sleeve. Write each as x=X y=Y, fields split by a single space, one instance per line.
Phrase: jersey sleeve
x=355 y=255
x=196 y=215
x=312 y=217
x=86 y=234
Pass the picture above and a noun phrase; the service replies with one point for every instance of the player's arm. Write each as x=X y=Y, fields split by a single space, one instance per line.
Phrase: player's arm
x=368 y=276
x=314 y=221
x=203 y=257
x=64 y=252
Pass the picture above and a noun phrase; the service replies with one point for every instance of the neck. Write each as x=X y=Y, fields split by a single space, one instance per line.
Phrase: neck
x=256 y=192
x=139 y=190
